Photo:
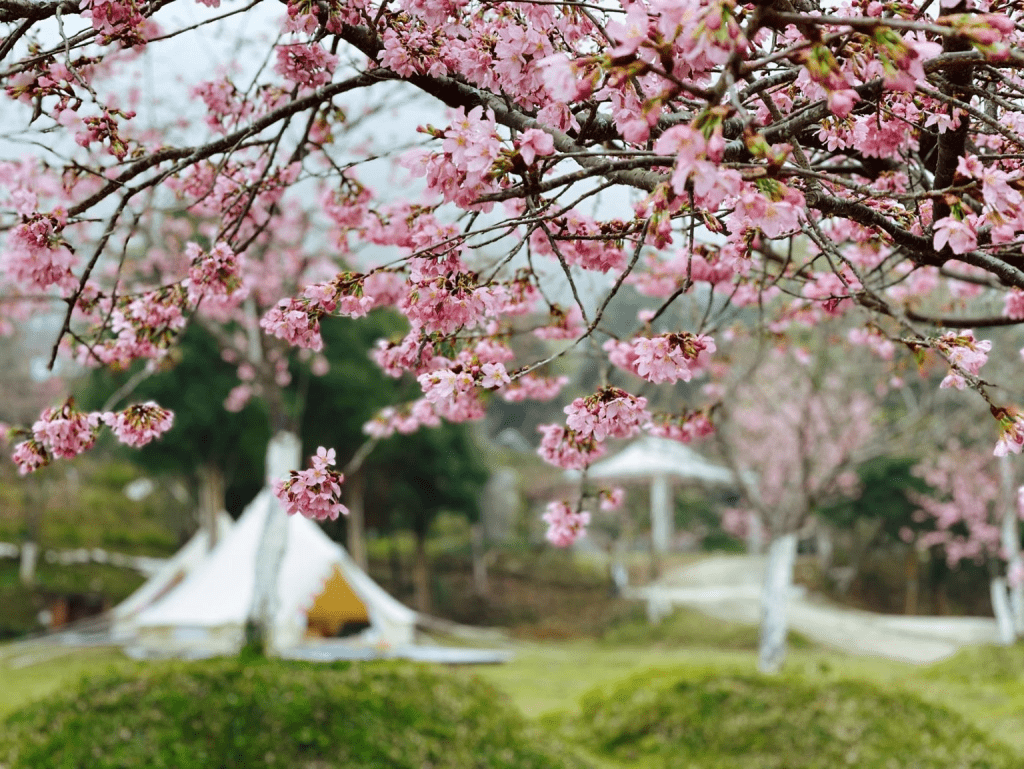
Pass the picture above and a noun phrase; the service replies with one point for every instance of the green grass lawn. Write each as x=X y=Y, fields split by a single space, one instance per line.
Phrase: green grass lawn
x=984 y=686
x=550 y=677
x=29 y=673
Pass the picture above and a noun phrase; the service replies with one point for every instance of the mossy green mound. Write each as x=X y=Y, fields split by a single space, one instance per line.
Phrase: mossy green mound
x=725 y=721
x=981 y=665
x=690 y=628
x=226 y=714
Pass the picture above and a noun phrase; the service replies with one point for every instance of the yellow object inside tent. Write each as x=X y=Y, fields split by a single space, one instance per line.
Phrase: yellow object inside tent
x=336 y=606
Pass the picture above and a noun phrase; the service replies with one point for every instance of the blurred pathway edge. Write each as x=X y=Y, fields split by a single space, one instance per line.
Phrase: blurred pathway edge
x=729 y=587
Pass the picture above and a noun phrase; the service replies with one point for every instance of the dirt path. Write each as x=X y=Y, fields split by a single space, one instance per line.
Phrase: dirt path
x=729 y=587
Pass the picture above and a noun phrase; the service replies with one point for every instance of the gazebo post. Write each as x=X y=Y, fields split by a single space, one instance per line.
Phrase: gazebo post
x=661 y=514
x=755 y=534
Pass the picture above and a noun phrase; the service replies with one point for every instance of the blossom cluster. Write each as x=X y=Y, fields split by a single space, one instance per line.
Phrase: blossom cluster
x=966 y=356
x=564 y=447
x=404 y=421
x=66 y=431
x=297 y=320
x=610 y=413
x=213 y=275
x=664 y=358
x=314 y=492
x=140 y=326
x=139 y=424
x=305 y=65
x=684 y=428
x=37 y=255
x=611 y=499
x=565 y=525
x=1011 y=431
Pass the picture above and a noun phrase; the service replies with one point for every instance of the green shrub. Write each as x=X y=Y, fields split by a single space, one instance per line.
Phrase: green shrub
x=224 y=714
x=710 y=720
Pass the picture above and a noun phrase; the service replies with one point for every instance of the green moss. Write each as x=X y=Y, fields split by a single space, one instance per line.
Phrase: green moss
x=713 y=720
x=277 y=714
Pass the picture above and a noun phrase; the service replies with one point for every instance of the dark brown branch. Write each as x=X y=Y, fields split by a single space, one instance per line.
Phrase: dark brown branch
x=10 y=10
x=951 y=143
x=948 y=321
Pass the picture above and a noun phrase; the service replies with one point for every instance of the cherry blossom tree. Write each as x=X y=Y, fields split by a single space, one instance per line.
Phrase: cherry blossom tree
x=793 y=433
x=772 y=164
x=974 y=512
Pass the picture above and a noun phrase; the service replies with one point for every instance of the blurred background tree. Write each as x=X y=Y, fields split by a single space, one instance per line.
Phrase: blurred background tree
x=403 y=483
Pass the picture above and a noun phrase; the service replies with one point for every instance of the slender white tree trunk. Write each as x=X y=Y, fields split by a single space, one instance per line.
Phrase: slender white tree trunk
x=778 y=580
x=283 y=455
x=1010 y=540
x=1017 y=608
x=1001 y=608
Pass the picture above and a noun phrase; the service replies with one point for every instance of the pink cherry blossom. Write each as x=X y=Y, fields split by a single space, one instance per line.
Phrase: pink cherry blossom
x=956 y=233
x=315 y=492
x=611 y=499
x=609 y=413
x=66 y=432
x=535 y=143
x=1011 y=431
x=672 y=357
x=138 y=425
x=565 y=525
x=567 y=449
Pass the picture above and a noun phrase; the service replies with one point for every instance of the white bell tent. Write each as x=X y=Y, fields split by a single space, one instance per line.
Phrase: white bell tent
x=167 y=577
x=206 y=614
x=319 y=587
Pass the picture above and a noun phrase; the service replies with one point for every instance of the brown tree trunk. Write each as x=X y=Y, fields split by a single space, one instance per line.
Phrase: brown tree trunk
x=941 y=599
x=355 y=539
x=421 y=574
x=395 y=566
x=479 y=555
x=211 y=500
x=911 y=571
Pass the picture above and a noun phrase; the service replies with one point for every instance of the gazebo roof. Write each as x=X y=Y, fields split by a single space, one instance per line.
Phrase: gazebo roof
x=650 y=457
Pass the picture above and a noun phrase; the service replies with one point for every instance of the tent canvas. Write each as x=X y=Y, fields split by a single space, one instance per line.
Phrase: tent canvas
x=206 y=614
x=166 y=578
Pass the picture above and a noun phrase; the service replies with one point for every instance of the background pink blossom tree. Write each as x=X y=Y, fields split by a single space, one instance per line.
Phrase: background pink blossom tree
x=793 y=433
x=974 y=511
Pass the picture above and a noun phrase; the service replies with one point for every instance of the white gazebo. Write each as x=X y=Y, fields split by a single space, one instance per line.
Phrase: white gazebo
x=660 y=461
